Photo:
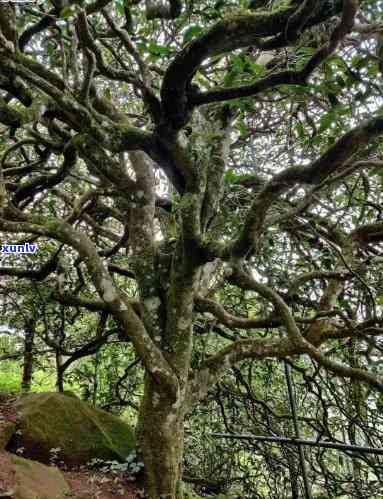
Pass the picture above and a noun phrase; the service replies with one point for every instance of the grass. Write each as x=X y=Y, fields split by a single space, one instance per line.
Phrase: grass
x=43 y=379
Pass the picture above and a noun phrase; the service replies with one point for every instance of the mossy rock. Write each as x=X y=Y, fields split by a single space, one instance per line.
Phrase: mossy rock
x=68 y=393
x=36 y=481
x=55 y=421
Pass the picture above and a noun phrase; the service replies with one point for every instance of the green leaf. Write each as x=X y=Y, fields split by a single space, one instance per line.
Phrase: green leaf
x=304 y=54
x=120 y=7
x=67 y=12
x=238 y=64
x=301 y=130
x=337 y=61
x=230 y=176
x=108 y=94
x=192 y=32
x=326 y=121
x=373 y=70
x=229 y=78
x=258 y=69
x=158 y=49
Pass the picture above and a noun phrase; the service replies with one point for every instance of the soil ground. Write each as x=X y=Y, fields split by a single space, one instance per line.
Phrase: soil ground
x=90 y=485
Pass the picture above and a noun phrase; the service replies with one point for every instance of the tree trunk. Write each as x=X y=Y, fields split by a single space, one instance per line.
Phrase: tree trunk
x=28 y=357
x=59 y=373
x=160 y=435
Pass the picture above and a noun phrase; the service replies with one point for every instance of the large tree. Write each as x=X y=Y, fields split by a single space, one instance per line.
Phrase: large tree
x=178 y=150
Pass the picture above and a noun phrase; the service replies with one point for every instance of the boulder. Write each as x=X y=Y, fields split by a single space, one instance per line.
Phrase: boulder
x=54 y=425
x=31 y=480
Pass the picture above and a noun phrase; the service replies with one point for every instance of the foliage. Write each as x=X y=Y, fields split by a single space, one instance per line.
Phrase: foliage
x=130 y=465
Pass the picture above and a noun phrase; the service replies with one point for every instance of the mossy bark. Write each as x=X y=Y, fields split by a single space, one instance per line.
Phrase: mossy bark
x=59 y=373
x=160 y=436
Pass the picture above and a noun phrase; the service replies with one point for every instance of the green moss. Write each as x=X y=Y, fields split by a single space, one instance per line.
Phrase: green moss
x=36 y=481
x=54 y=420
x=68 y=393
x=127 y=137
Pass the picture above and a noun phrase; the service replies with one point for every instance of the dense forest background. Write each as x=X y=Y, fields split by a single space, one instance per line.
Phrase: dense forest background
x=203 y=180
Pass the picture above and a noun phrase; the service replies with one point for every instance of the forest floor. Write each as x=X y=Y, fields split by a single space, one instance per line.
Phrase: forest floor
x=88 y=484
x=85 y=483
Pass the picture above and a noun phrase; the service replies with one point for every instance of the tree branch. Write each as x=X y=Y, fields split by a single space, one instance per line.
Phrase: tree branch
x=232 y=33
x=313 y=174
x=151 y=356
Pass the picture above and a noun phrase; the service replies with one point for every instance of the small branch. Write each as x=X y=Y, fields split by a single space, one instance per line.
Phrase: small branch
x=76 y=301
x=35 y=275
x=88 y=79
x=232 y=321
x=313 y=174
x=87 y=40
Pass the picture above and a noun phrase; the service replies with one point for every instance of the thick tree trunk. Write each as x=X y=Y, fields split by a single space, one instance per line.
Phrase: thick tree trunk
x=160 y=435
